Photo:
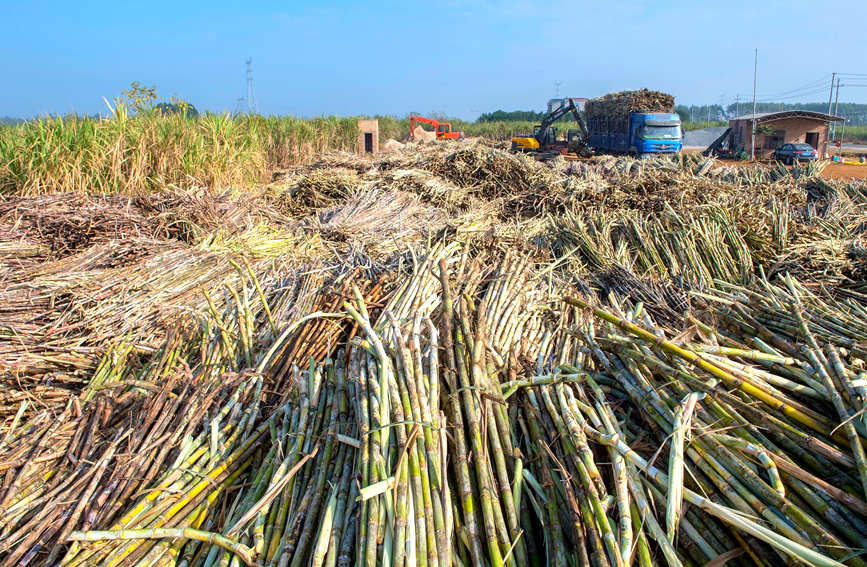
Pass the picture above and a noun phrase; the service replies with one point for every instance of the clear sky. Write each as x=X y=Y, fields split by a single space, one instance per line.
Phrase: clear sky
x=451 y=57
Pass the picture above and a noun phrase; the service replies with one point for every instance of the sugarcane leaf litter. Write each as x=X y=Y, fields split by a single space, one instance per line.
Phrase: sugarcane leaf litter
x=447 y=355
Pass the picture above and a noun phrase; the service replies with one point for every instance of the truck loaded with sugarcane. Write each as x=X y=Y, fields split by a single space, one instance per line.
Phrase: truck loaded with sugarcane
x=635 y=122
x=639 y=123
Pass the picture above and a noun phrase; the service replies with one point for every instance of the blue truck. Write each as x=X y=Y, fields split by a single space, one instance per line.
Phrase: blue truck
x=639 y=123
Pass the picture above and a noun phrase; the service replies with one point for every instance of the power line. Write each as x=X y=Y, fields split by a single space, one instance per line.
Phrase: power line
x=799 y=95
x=809 y=86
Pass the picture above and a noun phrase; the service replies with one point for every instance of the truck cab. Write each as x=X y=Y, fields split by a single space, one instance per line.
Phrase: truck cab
x=655 y=133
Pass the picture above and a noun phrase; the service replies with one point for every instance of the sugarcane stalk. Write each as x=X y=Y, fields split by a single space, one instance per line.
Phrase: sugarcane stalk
x=680 y=429
x=242 y=551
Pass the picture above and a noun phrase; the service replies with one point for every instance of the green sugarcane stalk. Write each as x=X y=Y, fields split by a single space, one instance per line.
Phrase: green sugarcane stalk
x=725 y=514
x=242 y=551
x=673 y=349
x=680 y=429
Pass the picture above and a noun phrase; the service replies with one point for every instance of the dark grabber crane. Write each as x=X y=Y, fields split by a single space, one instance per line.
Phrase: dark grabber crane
x=544 y=142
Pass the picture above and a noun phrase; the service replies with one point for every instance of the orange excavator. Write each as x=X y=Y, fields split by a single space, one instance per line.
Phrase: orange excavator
x=443 y=129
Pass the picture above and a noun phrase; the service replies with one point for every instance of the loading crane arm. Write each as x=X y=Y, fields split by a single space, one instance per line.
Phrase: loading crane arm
x=556 y=115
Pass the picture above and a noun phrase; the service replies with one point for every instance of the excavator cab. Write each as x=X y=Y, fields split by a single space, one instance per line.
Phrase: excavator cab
x=443 y=130
x=545 y=137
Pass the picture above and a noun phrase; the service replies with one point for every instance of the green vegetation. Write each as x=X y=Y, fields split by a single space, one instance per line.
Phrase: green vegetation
x=398 y=128
x=855 y=112
x=146 y=146
x=699 y=125
x=852 y=134
x=702 y=114
x=511 y=116
x=151 y=150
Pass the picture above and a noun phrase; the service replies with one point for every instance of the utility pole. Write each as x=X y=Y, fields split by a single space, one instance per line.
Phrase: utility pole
x=557 y=88
x=737 y=106
x=251 y=102
x=836 y=108
x=753 y=137
x=831 y=93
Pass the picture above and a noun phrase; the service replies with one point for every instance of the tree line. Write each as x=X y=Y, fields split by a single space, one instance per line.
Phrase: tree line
x=854 y=112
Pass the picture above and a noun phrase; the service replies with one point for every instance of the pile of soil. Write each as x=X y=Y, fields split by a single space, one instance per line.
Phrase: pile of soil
x=422 y=135
x=392 y=145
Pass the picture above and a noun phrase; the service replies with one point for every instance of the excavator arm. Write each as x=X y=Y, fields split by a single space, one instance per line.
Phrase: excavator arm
x=543 y=136
x=556 y=115
x=413 y=119
x=443 y=130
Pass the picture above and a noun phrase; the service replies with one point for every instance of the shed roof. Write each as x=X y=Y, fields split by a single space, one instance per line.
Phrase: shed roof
x=807 y=114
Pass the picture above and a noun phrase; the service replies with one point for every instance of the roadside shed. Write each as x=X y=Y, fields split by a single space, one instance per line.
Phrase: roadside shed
x=368 y=136
x=773 y=129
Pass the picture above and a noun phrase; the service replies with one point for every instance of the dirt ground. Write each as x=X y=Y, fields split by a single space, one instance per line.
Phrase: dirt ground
x=831 y=171
x=845 y=171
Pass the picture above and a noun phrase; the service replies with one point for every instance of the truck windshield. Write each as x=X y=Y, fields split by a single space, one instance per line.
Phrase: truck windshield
x=660 y=132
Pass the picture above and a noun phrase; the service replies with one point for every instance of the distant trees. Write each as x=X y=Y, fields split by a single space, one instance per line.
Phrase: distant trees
x=701 y=113
x=855 y=113
x=180 y=107
x=142 y=99
x=138 y=97
x=511 y=116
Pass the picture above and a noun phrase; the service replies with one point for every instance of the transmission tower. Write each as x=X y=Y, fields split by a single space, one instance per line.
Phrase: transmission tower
x=251 y=102
x=239 y=105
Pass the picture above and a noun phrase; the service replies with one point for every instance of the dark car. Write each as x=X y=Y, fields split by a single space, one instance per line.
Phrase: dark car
x=789 y=153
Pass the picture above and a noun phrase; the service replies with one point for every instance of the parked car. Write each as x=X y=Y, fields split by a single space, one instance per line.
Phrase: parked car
x=789 y=153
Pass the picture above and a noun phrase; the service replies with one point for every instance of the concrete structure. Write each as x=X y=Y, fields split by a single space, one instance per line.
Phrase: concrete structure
x=556 y=103
x=368 y=136
x=773 y=129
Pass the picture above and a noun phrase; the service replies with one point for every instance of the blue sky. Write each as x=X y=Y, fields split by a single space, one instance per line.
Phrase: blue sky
x=451 y=57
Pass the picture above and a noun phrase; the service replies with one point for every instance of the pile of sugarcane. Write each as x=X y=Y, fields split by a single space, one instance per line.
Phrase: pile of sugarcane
x=454 y=358
x=478 y=416
x=620 y=104
x=67 y=223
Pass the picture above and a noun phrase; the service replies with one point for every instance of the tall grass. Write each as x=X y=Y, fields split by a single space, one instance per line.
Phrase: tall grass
x=150 y=151
x=852 y=134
